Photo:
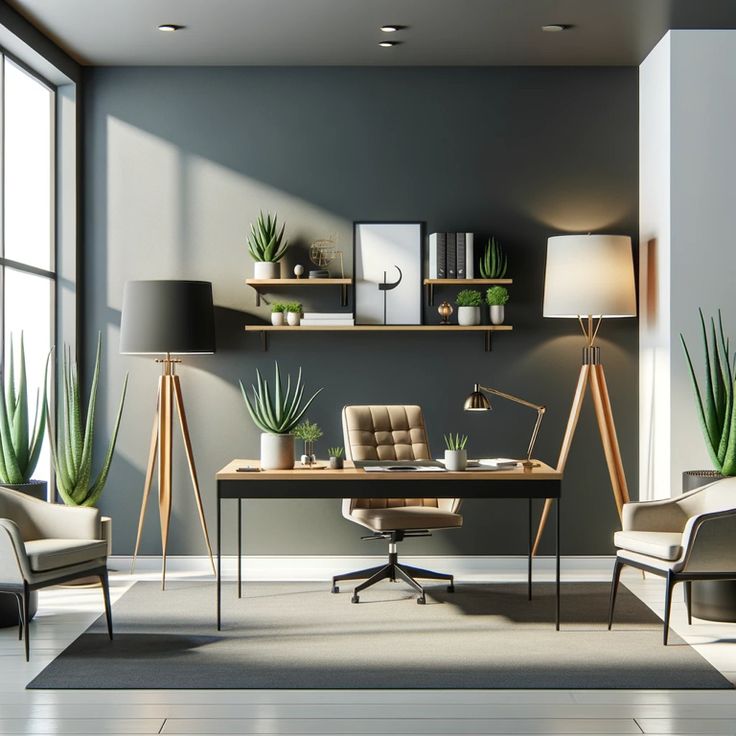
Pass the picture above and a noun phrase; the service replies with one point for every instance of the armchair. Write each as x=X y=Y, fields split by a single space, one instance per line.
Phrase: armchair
x=43 y=544
x=691 y=537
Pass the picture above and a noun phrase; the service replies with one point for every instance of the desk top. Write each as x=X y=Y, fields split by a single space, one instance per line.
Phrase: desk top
x=351 y=473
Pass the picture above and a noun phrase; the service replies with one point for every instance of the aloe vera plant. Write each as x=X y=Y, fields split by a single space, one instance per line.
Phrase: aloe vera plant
x=493 y=262
x=715 y=398
x=280 y=413
x=266 y=242
x=72 y=452
x=20 y=444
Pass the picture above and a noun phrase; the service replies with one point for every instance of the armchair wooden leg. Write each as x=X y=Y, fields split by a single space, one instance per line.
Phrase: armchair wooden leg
x=668 y=605
x=689 y=601
x=106 y=595
x=26 y=598
x=19 y=602
x=617 y=567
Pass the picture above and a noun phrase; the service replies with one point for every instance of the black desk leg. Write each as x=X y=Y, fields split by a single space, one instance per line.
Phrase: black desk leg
x=529 y=554
x=557 y=566
x=219 y=560
x=240 y=548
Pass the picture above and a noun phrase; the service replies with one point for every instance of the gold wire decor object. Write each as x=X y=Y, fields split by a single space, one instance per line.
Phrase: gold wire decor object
x=323 y=252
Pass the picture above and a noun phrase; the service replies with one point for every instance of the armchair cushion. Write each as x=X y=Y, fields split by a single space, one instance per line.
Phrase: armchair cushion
x=51 y=554
x=663 y=545
x=406 y=517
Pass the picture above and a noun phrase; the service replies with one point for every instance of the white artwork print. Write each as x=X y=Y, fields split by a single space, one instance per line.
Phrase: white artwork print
x=388 y=265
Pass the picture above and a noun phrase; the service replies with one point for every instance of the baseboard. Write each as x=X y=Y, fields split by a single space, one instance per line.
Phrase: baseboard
x=323 y=567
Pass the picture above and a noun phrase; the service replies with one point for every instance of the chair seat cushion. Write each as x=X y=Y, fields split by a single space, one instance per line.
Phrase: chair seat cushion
x=406 y=517
x=663 y=545
x=50 y=554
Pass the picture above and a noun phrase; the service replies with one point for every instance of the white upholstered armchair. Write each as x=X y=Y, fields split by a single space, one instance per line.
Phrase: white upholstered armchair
x=690 y=537
x=43 y=544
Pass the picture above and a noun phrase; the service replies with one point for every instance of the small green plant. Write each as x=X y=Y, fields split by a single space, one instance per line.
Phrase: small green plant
x=493 y=262
x=20 y=445
x=335 y=452
x=265 y=241
x=455 y=441
x=497 y=296
x=715 y=400
x=72 y=453
x=277 y=308
x=469 y=298
x=280 y=413
x=308 y=431
x=293 y=307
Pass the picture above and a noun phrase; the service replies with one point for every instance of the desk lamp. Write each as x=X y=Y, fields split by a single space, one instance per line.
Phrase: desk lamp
x=589 y=277
x=477 y=402
x=168 y=318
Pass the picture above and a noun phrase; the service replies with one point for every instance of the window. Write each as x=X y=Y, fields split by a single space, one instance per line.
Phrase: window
x=27 y=263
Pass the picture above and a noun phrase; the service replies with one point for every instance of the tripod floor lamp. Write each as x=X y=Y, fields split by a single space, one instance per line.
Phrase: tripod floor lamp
x=167 y=318
x=589 y=278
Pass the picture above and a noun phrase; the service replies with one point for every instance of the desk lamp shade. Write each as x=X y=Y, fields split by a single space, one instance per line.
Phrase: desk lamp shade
x=167 y=317
x=589 y=276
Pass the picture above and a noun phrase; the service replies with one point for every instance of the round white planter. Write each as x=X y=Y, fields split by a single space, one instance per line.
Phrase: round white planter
x=497 y=314
x=293 y=318
x=467 y=316
x=456 y=459
x=277 y=319
x=277 y=451
x=266 y=270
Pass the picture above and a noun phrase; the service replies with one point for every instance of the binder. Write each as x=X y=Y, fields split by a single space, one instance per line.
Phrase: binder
x=451 y=256
x=460 y=255
x=469 y=256
x=437 y=255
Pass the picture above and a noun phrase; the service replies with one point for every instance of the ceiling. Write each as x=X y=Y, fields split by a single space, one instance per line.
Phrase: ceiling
x=345 y=32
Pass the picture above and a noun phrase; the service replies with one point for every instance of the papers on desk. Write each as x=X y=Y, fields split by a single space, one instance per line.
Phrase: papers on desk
x=498 y=463
x=403 y=468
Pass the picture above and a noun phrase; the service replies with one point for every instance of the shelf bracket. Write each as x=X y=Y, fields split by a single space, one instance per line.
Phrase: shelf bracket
x=487 y=346
x=343 y=295
x=264 y=341
x=430 y=295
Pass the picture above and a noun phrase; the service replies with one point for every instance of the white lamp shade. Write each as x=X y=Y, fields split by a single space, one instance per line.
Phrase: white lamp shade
x=589 y=276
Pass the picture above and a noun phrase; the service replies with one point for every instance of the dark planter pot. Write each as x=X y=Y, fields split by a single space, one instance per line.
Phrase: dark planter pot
x=35 y=488
x=712 y=600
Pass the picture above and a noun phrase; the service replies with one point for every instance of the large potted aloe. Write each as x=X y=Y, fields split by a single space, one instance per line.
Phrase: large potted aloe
x=20 y=443
x=267 y=246
x=277 y=413
x=714 y=399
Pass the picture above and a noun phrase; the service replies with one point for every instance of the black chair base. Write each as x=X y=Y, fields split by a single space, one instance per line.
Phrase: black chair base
x=392 y=571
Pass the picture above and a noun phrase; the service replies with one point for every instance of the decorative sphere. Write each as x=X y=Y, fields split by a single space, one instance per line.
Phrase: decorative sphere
x=298 y=271
x=445 y=311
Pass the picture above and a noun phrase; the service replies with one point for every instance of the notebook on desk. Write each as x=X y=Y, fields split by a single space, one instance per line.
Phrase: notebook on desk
x=400 y=466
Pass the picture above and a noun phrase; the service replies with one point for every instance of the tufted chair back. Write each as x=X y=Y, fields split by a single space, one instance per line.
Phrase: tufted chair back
x=382 y=433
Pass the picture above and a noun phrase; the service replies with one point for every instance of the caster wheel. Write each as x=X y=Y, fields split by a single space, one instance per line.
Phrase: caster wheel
x=355 y=599
x=335 y=589
x=421 y=601
x=450 y=588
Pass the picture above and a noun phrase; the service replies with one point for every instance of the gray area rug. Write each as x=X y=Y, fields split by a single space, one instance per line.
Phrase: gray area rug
x=299 y=635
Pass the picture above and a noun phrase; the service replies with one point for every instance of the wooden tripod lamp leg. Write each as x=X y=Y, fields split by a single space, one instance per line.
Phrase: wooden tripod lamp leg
x=164 y=467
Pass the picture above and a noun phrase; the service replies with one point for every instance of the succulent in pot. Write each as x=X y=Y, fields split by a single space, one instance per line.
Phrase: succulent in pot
x=468 y=307
x=267 y=246
x=336 y=457
x=276 y=415
x=293 y=313
x=493 y=262
x=496 y=298
x=456 y=456
x=277 y=314
x=309 y=433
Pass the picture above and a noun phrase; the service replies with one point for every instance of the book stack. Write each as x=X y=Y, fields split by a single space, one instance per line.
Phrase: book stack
x=451 y=256
x=328 y=319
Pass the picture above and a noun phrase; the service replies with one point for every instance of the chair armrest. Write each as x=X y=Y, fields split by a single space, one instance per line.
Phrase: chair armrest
x=14 y=565
x=653 y=516
x=56 y=521
x=708 y=542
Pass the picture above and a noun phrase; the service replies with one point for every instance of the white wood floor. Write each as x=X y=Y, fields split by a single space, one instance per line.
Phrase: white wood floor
x=64 y=613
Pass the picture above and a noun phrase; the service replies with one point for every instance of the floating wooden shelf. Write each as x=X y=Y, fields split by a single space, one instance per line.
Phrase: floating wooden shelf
x=264 y=284
x=431 y=283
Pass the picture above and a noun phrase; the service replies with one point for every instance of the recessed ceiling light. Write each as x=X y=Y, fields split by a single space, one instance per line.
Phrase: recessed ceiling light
x=392 y=28
x=170 y=27
x=389 y=44
x=555 y=28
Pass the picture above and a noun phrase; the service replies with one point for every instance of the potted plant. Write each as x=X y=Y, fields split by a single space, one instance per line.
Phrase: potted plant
x=456 y=456
x=267 y=247
x=493 y=262
x=277 y=314
x=309 y=433
x=496 y=298
x=293 y=313
x=20 y=444
x=336 y=460
x=276 y=416
x=468 y=307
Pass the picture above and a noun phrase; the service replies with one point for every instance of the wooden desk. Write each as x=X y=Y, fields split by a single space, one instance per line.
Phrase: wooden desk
x=540 y=482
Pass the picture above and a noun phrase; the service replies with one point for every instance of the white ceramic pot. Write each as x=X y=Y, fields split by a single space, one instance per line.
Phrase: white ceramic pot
x=497 y=314
x=277 y=451
x=468 y=316
x=277 y=319
x=266 y=270
x=456 y=459
x=293 y=318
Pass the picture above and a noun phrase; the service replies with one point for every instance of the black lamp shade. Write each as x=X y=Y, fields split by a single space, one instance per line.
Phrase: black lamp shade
x=167 y=317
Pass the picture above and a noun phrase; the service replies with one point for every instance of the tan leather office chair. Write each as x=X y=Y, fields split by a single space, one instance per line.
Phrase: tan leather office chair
x=393 y=433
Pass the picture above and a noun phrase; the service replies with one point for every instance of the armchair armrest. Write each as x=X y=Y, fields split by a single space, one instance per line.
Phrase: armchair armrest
x=708 y=542
x=653 y=516
x=66 y=522
x=14 y=565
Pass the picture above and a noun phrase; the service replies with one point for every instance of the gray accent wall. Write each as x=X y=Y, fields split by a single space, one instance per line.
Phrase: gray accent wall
x=179 y=161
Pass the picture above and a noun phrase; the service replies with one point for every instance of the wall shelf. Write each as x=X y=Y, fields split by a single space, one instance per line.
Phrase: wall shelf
x=431 y=283
x=487 y=330
x=264 y=285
